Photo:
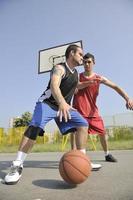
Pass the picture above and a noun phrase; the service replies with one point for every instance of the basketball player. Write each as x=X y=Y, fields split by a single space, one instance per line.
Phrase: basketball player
x=54 y=103
x=85 y=102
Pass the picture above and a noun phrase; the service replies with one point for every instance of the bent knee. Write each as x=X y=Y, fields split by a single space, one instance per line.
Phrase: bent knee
x=32 y=132
x=82 y=128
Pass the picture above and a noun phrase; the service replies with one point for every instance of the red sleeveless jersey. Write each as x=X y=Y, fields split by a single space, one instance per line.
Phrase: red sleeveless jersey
x=85 y=99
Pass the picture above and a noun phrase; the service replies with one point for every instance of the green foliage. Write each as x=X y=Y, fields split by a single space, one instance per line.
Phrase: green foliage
x=23 y=120
x=18 y=122
x=122 y=133
x=120 y=138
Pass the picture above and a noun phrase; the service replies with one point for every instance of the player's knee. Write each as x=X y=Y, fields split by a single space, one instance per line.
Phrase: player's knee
x=32 y=132
x=82 y=128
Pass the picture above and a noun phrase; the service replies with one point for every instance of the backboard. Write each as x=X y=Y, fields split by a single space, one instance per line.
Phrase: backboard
x=51 y=56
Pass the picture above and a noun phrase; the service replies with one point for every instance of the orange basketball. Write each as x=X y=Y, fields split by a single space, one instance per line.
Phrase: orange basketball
x=75 y=167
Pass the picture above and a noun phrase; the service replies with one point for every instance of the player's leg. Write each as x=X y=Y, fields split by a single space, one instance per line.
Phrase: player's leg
x=97 y=126
x=108 y=157
x=104 y=143
x=81 y=138
x=94 y=166
x=73 y=141
x=42 y=114
x=78 y=139
x=78 y=127
x=76 y=124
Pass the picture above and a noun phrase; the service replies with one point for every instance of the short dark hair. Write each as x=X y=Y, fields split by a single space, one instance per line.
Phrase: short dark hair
x=72 y=47
x=89 y=55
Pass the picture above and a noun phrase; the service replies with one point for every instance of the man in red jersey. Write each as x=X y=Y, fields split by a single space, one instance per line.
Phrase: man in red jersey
x=85 y=102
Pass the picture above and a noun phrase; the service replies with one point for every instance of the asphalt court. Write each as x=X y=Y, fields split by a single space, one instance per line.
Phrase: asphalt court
x=41 y=179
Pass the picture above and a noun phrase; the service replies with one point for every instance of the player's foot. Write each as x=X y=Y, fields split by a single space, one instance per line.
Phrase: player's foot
x=95 y=167
x=15 y=173
x=110 y=158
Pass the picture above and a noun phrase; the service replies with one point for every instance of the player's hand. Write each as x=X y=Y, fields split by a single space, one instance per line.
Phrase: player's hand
x=129 y=104
x=76 y=91
x=85 y=84
x=64 y=111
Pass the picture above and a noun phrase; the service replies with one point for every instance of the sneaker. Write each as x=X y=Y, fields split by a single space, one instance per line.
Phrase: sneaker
x=15 y=173
x=95 y=167
x=110 y=158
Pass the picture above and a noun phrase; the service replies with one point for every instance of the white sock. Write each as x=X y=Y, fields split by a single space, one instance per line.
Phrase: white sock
x=106 y=153
x=83 y=151
x=21 y=156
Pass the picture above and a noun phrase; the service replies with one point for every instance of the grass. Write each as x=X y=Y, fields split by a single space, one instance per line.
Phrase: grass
x=122 y=139
x=47 y=147
x=116 y=145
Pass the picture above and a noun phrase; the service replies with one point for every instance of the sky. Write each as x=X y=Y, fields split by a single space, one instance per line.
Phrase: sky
x=27 y=26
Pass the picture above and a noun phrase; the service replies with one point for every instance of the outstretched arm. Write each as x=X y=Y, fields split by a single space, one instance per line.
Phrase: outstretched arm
x=120 y=91
x=82 y=85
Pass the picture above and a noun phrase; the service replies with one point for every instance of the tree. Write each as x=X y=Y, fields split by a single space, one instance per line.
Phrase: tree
x=23 y=120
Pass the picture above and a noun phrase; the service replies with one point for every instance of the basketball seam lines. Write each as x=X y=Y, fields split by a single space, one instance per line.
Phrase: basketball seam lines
x=79 y=156
x=66 y=172
x=76 y=168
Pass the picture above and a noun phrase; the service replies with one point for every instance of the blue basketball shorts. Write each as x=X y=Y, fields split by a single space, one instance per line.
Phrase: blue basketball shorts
x=43 y=113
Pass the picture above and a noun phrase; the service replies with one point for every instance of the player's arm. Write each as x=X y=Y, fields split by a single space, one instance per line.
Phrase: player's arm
x=120 y=91
x=56 y=77
x=82 y=85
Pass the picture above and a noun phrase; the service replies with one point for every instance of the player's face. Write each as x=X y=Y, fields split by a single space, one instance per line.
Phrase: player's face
x=88 y=64
x=78 y=57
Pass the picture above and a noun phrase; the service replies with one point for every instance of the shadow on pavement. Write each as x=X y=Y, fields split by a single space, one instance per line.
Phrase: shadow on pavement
x=4 y=165
x=53 y=184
